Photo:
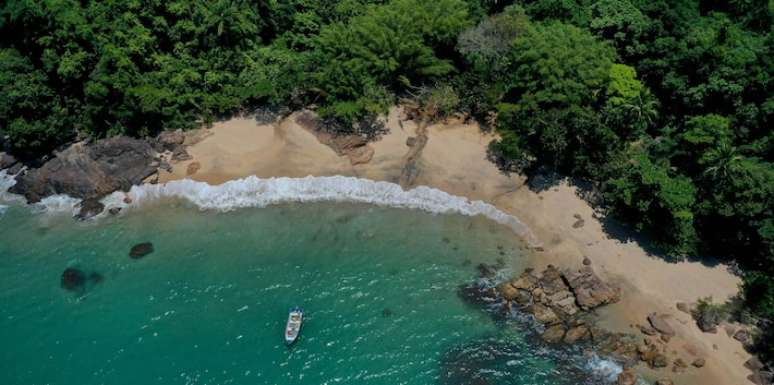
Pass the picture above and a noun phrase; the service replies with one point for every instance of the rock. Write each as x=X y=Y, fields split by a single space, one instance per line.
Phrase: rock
x=699 y=362
x=665 y=381
x=753 y=364
x=90 y=208
x=761 y=378
x=553 y=334
x=578 y=223
x=411 y=141
x=586 y=261
x=523 y=297
x=679 y=366
x=590 y=291
x=89 y=171
x=684 y=307
x=386 y=312
x=127 y=199
x=526 y=281
x=192 y=168
x=647 y=330
x=665 y=337
x=114 y=210
x=180 y=154
x=140 y=250
x=544 y=314
x=743 y=336
x=660 y=323
x=507 y=291
x=576 y=334
x=73 y=279
x=170 y=140
x=7 y=161
x=477 y=294
x=627 y=377
x=486 y=271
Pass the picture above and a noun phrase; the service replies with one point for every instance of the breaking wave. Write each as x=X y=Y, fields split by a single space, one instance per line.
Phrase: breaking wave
x=257 y=192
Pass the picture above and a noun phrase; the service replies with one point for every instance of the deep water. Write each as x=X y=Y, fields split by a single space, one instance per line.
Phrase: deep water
x=208 y=305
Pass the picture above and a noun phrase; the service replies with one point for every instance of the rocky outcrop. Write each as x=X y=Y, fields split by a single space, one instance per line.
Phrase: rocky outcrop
x=7 y=161
x=353 y=146
x=89 y=208
x=558 y=300
x=90 y=171
x=590 y=291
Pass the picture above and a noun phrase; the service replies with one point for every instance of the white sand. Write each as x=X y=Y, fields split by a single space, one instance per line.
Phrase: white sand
x=454 y=160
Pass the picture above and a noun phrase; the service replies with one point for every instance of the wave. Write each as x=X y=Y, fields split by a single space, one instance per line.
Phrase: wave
x=257 y=192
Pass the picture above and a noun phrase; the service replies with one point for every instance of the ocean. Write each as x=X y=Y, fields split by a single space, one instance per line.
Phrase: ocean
x=379 y=285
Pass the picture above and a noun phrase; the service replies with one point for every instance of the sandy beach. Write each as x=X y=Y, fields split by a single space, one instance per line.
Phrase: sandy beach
x=454 y=160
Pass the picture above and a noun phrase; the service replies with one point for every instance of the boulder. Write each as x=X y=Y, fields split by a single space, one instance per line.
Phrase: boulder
x=660 y=323
x=699 y=363
x=590 y=291
x=659 y=360
x=753 y=364
x=679 y=366
x=90 y=208
x=170 y=140
x=553 y=334
x=664 y=381
x=761 y=378
x=627 y=377
x=544 y=314
x=140 y=250
x=73 y=279
x=89 y=171
x=576 y=334
x=114 y=210
x=743 y=336
x=6 y=160
x=526 y=281
x=586 y=261
x=647 y=330
x=508 y=292
x=180 y=154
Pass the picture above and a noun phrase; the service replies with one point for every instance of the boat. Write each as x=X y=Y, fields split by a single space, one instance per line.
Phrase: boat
x=293 y=327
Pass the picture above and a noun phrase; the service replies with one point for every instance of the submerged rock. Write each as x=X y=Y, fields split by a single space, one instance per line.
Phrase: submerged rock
x=73 y=279
x=89 y=171
x=140 y=250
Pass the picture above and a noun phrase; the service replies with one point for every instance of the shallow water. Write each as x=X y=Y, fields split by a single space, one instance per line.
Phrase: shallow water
x=208 y=306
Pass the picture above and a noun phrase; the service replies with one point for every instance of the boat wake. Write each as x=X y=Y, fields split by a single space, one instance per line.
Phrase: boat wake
x=257 y=192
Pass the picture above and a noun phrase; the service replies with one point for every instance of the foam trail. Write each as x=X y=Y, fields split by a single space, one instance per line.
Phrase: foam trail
x=6 y=181
x=256 y=192
x=608 y=369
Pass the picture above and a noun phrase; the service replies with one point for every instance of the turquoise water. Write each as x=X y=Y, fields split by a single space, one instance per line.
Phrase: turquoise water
x=208 y=306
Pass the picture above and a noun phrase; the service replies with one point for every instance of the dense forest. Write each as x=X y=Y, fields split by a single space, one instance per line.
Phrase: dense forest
x=666 y=105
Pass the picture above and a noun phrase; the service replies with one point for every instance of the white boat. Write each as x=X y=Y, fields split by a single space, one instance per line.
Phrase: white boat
x=293 y=327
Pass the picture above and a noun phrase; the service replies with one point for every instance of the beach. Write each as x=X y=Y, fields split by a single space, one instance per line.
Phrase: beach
x=454 y=160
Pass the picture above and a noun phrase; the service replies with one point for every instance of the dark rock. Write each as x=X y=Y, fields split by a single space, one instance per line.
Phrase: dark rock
x=761 y=378
x=180 y=154
x=743 y=336
x=665 y=381
x=73 y=279
x=89 y=171
x=586 y=261
x=477 y=294
x=140 y=250
x=114 y=210
x=647 y=330
x=486 y=271
x=699 y=362
x=6 y=161
x=660 y=323
x=659 y=361
x=590 y=291
x=679 y=366
x=411 y=141
x=90 y=208
x=753 y=364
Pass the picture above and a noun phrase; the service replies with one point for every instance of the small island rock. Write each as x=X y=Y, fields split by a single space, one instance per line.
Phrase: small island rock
x=140 y=250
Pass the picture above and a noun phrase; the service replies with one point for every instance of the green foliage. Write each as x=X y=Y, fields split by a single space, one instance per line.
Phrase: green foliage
x=385 y=44
x=648 y=195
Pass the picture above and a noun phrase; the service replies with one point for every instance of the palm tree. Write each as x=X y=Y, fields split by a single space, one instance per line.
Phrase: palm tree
x=724 y=161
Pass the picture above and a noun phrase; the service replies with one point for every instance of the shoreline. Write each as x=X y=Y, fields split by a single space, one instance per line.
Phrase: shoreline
x=454 y=161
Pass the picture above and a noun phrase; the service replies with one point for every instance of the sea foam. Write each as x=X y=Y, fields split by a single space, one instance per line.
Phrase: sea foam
x=257 y=192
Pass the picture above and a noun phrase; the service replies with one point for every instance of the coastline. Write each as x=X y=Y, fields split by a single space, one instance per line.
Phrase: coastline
x=454 y=161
